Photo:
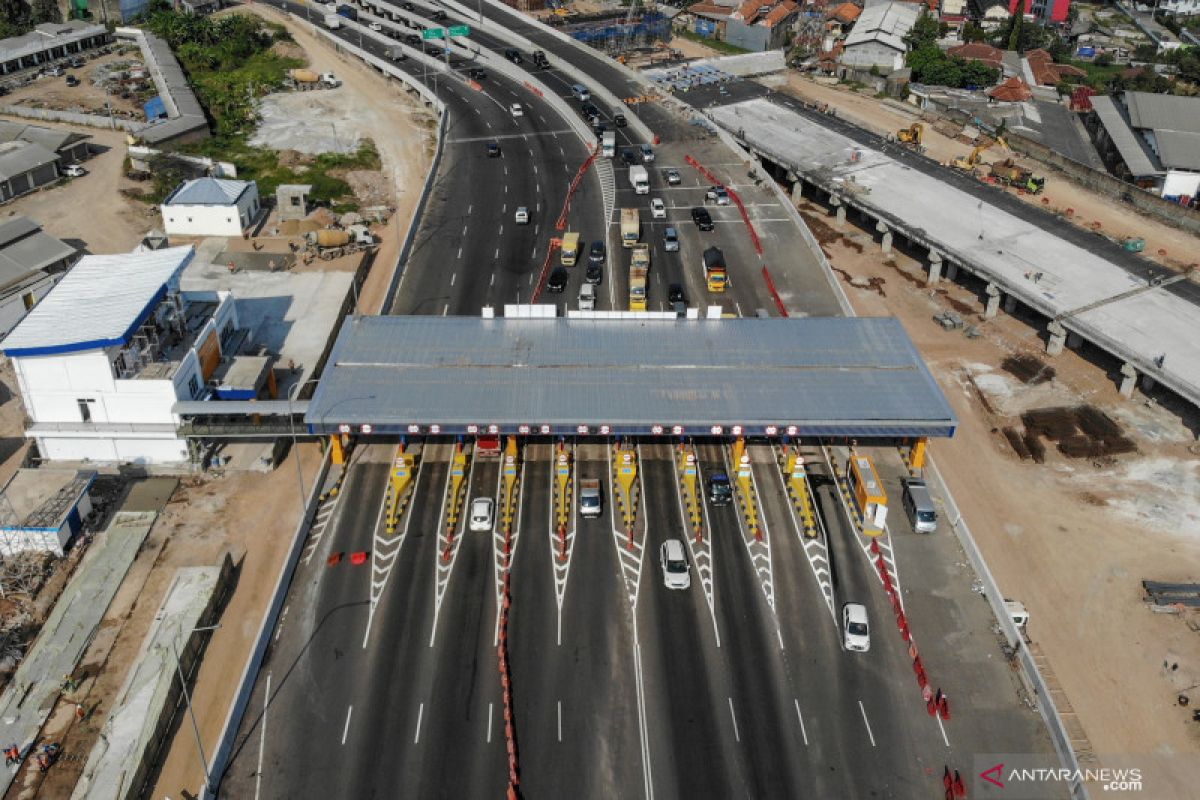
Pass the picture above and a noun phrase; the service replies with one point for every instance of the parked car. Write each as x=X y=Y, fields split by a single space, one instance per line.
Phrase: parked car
x=702 y=218
x=74 y=171
x=54 y=71
x=72 y=80
x=375 y=26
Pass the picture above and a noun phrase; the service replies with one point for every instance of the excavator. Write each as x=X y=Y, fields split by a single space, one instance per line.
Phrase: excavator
x=1010 y=173
x=911 y=135
x=969 y=163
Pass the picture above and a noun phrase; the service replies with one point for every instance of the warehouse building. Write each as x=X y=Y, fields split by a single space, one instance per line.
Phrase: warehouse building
x=48 y=42
x=24 y=167
x=31 y=262
x=1152 y=140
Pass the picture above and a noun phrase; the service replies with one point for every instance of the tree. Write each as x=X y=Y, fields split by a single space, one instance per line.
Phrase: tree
x=1014 y=32
x=924 y=32
x=1104 y=60
x=14 y=17
x=45 y=11
x=974 y=33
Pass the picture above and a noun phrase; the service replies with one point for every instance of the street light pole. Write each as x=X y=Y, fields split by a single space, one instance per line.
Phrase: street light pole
x=187 y=698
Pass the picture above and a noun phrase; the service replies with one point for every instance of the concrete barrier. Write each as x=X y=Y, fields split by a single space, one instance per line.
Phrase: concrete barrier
x=73 y=118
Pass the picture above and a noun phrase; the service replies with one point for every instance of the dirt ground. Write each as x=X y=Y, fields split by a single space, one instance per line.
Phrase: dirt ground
x=1168 y=246
x=1070 y=538
x=105 y=220
x=90 y=96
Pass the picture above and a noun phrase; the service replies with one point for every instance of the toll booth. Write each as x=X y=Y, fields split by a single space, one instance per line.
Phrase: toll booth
x=867 y=490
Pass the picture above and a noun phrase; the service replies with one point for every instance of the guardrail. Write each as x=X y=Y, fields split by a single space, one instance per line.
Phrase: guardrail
x=241 y=700
x=414 y=224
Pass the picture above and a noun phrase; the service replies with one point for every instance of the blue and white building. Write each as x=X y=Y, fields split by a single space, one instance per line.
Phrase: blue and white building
x=101 y=360
x=211 y=207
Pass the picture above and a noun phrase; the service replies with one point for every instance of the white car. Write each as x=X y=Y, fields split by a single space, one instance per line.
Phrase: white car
x=856 y=633
x=74 y=171
x=676 y=573
x=481 y=513
x=658 y=209
x=516 y=110
x=375 y=26
x=522 y=216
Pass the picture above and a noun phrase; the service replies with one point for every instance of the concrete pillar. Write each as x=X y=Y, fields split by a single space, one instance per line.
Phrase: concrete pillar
x=951 y=270
x=1058 y=337
x=839 y=210
x=1074 y=340
x=1148 y=383
x=886 y=243
x=1010 y=304
x=993 y=301
x=935 y=268
x=797 y=191
x=1129 y=378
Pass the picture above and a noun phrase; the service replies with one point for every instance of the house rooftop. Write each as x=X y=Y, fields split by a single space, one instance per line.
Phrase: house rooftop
x=99 y=303
x=208 y=192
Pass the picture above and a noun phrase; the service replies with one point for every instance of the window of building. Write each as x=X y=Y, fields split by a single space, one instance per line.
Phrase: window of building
x=85 y=409
x=193 y=387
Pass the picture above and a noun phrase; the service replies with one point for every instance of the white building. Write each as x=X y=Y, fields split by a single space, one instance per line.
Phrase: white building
x=210 y=207
x=103 y=357
x=877 y=39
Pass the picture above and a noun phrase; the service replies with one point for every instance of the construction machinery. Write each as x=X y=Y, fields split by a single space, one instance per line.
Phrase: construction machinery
x=1010 y=173
x=308 y=79
x=331 y=243
x=969 y=163
x=911 y=136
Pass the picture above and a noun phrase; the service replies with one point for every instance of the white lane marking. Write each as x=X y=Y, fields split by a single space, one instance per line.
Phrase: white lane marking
x=938 y=717
x=488 y=124
x=506 y=170
x=464 y=233
x=469 y=207
x=641 y=706
x=733 y=716
x=453 y=277
x=800 y=717
x=445 y=309
x=560 y=720
x=497 y=253
x=538 y=226
x=489 y=725
x=535 y=169
x=477 y=111
x=506 y=188
x=346 y=727
x=532 y=255
x=420 y=714
x=492 y=282
x=501 y=229
x=738 y=307
x=866 y=722
x=262 y=738
x=459 y=253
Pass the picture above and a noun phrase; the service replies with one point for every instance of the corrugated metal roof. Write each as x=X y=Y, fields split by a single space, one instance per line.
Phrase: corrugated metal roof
x=1134 y=152
x=100 y=302
x=1178 y=149
x=886 y=22
x=834 y=376
x=208 y=192
x=19 y=157
x=1163 y=111
x=31 y=251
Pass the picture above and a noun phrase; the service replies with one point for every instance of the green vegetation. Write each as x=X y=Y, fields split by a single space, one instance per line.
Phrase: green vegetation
x=715 y=44
x=229 y=61
x=18 y=16
x=925 y=32
x=932 y=66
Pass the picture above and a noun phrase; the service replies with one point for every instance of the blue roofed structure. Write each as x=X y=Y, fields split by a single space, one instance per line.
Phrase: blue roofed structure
x=155 y=108
x=828 y=377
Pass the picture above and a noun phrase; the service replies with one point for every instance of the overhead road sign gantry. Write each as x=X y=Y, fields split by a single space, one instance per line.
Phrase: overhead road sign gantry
x=433 y=33
x=460 y=30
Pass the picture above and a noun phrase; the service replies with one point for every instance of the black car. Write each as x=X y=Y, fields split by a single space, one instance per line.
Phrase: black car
x=620 y=120
x=476 y=73
x=589 y=110
x=675 y=293
x=409 y=7
x=596 y=253
x=720 y=492
x=413 y=39
x=72 y=80
x=630 y=158
x=557 y=282
x=493 y=149
x=702 y=218
x=513 y=55
x=539 y=58
x=594 y=273
x=438 y=15
x=433 y=50
x=599 y=128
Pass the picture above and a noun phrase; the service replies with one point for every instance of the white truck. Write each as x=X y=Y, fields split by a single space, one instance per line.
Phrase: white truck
x=639 y=179
x=608 y=144
x=333 y=21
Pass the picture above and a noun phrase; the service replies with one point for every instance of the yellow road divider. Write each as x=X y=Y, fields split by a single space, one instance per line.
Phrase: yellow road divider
x=625 y=479
x=562 y=496
x=799 y=490
x=689 y=485
x=745 y=484
x=400 y=482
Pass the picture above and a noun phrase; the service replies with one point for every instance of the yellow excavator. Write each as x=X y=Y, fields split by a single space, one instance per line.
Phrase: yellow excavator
x=911 y=135
x=969 y=163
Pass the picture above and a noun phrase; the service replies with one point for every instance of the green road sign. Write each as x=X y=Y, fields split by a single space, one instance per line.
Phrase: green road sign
x=460 y=30
x=433 y=33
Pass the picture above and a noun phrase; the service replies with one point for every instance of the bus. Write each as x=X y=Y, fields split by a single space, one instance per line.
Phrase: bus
x=868 y=493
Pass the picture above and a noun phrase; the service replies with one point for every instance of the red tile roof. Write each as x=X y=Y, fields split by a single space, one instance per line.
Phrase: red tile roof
x=748 y=10
x=846 y=12
x=978 y=51
x=1013 y=90
x=709 y=8
x=780 y=13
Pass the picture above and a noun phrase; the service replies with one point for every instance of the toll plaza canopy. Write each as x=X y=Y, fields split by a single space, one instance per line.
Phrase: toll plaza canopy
x=829 y=377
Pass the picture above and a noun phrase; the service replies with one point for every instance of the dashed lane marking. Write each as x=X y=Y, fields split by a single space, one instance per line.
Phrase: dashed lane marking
x=562 y=569
x=702 y=551
x=759 y=550
x=816 y=548
x=445 y=568
x=385 y=549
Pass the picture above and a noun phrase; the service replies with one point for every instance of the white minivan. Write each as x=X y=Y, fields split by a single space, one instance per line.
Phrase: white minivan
x=856 y=633
x=587 y=297
x=581 y=93
x=676 y=573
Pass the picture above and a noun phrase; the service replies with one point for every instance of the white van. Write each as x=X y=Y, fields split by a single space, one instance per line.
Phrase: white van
x=918 y=505
x=587 y=297
x=581 y=93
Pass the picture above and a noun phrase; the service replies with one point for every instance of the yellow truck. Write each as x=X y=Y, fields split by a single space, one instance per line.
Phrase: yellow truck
x=639 y=269
x=631 y=227
x=570 y=249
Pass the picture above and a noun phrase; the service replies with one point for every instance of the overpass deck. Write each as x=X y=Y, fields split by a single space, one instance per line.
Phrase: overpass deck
x=1150 y=329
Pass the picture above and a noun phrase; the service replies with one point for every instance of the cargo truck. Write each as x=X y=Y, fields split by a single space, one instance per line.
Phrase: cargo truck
x=396 y=53
x=570 y=249
x=307 y=79
x=631 y=227
x=715 y=274
x=591 y=502
x=331 y=243
x=608 y=144
x=639 y=179
x=639 y=269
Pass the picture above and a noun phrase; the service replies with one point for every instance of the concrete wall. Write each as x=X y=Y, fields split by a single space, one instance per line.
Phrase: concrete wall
x=748 y=37
x=872 y=54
